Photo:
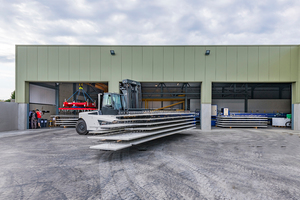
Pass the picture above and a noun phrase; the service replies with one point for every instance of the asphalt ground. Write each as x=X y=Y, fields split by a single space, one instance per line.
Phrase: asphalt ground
x=217 y=164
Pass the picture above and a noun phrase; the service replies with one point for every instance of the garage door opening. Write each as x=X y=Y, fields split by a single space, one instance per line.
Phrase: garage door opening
x=50 y=98
x=272 y=100
x=175 y=96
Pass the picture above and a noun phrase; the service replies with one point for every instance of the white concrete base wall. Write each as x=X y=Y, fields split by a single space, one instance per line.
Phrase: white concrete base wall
x=205 y=117
x=22 y=116
x=296 y=117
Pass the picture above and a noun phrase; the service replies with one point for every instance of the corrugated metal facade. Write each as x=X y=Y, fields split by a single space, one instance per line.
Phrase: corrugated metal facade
x=67 y=63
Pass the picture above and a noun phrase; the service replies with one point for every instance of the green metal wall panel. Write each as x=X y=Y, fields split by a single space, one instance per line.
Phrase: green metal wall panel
x=158 y=63
x=294 y=63
x=242 y=64
x=263 y=63
x=84 y=63
x=253 y=64
x=285 y=64
x=231 y=63
x=116 y=65
x=105 y=60
x=74 y=64
x=178 y=64
x=221 y=67
x=137 y=63
x=21 y=73
x=126 y=63
x=63 y=64
x=53 y=63
x=168 y=63
x=189 y=64
x=199 y=63
x=274 y=64
x=210 y=60
x=147 y=63
x=32 y=73
x=42 y=63
x=95 y=72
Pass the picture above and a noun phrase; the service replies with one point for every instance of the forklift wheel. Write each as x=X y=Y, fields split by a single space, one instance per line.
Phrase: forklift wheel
x=81 y=127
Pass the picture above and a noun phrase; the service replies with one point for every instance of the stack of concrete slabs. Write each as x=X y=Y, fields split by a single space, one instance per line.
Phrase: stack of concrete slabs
x=115 y=146
x=135 y=129
x=242 y=121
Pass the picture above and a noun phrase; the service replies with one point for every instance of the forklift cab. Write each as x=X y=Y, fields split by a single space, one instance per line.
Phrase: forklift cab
x=112 y=103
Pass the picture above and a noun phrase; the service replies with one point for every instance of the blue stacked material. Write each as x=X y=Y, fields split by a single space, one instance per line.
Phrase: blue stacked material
x=269 y=115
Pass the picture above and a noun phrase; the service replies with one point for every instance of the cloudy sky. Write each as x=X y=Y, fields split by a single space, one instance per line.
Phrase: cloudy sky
x=136 y=22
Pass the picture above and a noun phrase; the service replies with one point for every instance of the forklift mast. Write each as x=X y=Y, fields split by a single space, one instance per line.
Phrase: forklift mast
x=132 y=93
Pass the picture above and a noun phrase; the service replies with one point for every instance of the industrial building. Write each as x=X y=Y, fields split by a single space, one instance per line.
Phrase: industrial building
x=242 y=78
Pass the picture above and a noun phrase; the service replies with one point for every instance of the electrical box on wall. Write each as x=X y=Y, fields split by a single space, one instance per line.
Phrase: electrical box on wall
x=225 y=111
x=214 y=110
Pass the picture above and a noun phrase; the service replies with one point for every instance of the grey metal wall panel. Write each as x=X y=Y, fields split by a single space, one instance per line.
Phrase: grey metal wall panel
x=41 y=95
x=8 y=116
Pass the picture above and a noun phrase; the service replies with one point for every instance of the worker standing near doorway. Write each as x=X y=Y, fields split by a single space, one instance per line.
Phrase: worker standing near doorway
x=33 y=119
x=39 y=116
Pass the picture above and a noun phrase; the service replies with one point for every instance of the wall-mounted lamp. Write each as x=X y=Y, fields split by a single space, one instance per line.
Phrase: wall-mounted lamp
x=207 y=52
x=112 y=52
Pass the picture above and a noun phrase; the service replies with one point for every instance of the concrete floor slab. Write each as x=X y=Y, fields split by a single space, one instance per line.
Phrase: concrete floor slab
x=215 y=164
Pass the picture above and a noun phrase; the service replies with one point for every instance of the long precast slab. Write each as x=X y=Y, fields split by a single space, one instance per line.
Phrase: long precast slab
x=115 y=146
x=136 y=135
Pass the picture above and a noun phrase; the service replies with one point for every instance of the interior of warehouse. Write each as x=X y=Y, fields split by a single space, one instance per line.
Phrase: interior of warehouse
x=49 y=97
x=241 y=98
x=171 y=95
x=253 y=97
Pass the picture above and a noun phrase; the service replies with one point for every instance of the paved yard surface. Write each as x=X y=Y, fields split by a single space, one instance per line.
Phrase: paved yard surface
x=219 y=164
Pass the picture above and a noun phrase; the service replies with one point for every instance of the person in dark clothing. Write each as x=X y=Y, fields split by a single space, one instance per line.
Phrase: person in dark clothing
x=33 y=119
x=30 y=113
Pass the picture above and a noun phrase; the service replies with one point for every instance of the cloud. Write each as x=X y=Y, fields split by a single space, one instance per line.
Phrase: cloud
x=136 y=22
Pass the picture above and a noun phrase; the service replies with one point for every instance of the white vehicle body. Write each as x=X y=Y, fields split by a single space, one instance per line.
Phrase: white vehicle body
x=94 y=120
